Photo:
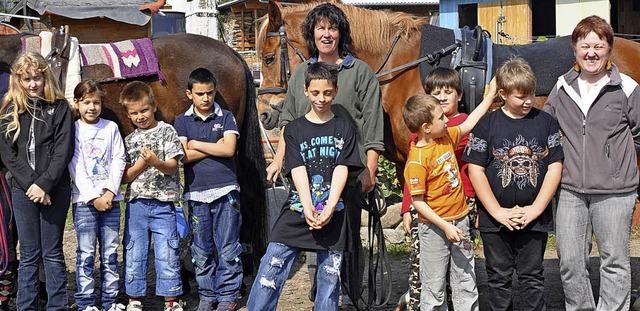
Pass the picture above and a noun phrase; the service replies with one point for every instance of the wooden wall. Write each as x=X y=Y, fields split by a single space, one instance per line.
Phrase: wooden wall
x=101 y=30
x=629 y=17
x=517 y=23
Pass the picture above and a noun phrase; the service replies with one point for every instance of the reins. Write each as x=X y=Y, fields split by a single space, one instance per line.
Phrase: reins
x=432 y=58
x=4 y=228
x=379 y=279
x=285 y=67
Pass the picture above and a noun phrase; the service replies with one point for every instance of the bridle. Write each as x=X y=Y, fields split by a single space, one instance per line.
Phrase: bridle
x=285 y=67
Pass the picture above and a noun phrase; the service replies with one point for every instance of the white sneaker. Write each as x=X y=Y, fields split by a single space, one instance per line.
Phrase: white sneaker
x=134 y=306
x=117 y=307
x=176 y=307
x=91 y=308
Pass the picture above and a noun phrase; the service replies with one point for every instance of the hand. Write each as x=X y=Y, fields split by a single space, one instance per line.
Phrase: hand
x=368 y=181
x=509 y=217
x=529 y=214
x=273 y=170
x=149 y=156
x=325 y=216
x=493 y=89
x=101 y=204
x=37 y=195
x=311 y=216
x=453 y=233
x=47 y=199
x=406 y=222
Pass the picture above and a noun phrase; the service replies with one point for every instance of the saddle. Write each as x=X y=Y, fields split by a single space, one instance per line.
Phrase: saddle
x=472 y=61
x=58 y=58
x=471 y=57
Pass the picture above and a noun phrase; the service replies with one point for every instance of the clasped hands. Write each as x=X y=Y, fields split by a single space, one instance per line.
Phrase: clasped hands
x=148 y=156
x=317 y=220
x=37 y=195
x=516 y=218
x=104 y=202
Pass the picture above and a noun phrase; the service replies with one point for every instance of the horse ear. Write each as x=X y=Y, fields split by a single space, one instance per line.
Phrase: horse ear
x=275 y=16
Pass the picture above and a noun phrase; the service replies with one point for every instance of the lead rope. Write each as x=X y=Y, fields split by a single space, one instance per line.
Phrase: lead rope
x=6 y=275
x=379 y=280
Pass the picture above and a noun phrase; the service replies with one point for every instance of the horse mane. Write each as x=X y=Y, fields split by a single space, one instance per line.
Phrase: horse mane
x=371 y=30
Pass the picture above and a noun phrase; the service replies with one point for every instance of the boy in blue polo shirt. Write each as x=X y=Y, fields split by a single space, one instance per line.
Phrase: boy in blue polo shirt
x=208 y=135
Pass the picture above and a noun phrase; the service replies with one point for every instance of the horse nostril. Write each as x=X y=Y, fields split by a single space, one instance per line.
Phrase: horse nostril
x=269 y=119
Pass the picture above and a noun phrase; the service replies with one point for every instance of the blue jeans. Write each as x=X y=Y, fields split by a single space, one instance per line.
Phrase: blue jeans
x=608 y=217
x=274 y=271
x=145 y=218
x=216 y=230
x=40 y=230
x=437 y=255
x=93 y=226
x=521 y=252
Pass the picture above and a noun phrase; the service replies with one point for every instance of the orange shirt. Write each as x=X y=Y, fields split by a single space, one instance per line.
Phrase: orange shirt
x=432 y=171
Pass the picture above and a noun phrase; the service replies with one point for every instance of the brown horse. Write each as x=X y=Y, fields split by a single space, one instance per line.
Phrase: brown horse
x=178 y=55
x=373 y=33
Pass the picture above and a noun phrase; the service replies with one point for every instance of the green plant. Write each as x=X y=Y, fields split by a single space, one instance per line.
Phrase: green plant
x=399 y=251
x=388 y=181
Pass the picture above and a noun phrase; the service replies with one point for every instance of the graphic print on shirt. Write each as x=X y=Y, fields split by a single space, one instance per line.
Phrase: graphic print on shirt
x=96 y=153
x=319 y=153
x=446 y=166
x=518 y=161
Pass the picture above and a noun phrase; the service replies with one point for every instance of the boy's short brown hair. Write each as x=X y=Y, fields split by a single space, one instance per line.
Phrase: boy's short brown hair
x=515 y=75
x=441 y=78
x=419 y=110
x=137 y=91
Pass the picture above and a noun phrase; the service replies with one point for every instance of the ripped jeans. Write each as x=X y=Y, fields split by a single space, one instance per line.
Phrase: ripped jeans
x=274 y=271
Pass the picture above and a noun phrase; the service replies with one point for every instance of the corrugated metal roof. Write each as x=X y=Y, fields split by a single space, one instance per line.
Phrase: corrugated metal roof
x=355 y=2
x=126 y=11
x=391 y=2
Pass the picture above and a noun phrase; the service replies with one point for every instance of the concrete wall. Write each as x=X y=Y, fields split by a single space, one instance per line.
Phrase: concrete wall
x=200 y=16
x=570 y=12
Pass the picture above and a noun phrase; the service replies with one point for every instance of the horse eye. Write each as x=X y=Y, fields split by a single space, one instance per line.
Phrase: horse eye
x=269 y=59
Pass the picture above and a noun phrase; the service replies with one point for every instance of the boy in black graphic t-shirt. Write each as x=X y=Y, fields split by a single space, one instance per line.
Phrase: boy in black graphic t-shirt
x=321 y=149
x=515 y=165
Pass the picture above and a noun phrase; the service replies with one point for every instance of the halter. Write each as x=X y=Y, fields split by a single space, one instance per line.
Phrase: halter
x=285 y=68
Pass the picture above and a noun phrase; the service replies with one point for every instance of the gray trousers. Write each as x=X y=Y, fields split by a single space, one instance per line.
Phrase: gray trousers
x=608 y=217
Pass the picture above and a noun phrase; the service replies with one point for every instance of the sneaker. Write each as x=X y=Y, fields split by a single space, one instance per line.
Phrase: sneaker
x=227 y=306
x=134 y=305
x=175 y=307
x=205 y=306
x=117 y=307
x=91 y=308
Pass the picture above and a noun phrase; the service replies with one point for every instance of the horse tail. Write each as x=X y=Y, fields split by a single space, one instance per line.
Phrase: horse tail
x=251 y=171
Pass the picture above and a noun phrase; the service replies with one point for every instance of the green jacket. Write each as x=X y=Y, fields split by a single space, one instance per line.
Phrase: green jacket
x=358 y=100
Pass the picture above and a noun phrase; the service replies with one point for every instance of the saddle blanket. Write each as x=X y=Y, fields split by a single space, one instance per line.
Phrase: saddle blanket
x=127 y=59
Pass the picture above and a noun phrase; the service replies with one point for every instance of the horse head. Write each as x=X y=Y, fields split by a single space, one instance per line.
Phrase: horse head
x=281 y=47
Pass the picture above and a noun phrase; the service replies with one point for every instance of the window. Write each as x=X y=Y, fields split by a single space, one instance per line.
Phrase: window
x=172 y=22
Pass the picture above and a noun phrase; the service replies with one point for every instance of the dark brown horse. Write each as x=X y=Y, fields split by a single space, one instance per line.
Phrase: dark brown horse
x=178 y=55
x=373 y=33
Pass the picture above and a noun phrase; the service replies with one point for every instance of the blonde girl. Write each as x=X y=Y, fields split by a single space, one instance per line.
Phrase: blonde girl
x=96 y=170
x=36 y=144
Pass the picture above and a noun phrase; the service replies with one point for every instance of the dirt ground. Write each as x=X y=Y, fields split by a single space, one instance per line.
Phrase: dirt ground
x=294 y=295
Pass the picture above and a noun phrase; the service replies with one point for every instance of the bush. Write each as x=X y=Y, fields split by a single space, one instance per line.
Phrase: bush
x=388 y=181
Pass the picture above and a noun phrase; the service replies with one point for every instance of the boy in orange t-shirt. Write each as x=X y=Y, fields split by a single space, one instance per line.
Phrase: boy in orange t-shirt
x=433 y=178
